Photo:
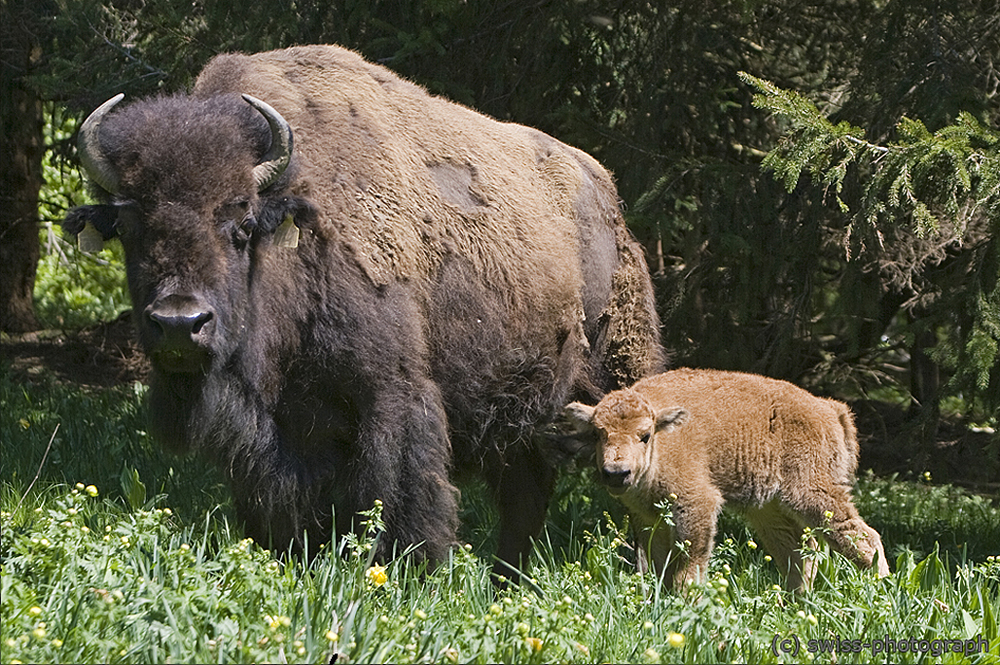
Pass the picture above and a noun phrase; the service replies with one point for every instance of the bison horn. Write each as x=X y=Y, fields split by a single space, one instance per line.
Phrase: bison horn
x=279 y=154
x=95 y=163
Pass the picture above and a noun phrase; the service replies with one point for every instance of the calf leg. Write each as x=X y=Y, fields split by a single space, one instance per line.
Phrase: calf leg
x=656 y=549
x=696 y=524
x=780 y=531
x=848 y=533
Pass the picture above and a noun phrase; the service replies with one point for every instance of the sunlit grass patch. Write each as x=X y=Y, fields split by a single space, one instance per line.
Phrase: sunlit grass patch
x=120 y=553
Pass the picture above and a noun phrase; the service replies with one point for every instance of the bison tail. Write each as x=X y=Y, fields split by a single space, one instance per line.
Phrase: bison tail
x=631 y=342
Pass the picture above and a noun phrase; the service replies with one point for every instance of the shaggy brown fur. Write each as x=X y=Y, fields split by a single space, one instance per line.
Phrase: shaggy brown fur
x=698 y=439
x=457 y=281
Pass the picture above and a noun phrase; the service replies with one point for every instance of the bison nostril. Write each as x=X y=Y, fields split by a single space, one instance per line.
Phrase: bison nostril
x=200 y=320
x=173 y=324
x=179 y=320
x=615 y=477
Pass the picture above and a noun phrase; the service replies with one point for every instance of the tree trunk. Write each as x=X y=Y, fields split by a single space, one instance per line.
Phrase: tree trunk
x=21 y=147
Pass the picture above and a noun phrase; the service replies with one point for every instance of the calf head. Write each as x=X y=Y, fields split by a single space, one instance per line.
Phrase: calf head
x=625 y=425
x=191 y=188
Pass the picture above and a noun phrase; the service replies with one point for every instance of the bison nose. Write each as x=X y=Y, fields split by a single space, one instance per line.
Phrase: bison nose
x=615 y=477
x=180 y=325
x=181 y=328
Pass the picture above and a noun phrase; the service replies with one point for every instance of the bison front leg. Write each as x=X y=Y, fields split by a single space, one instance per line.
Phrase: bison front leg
x=656 y=548
x=403 y=457
x=522 y=488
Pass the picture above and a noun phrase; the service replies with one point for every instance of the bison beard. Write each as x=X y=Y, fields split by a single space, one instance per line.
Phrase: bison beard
x=457 y=281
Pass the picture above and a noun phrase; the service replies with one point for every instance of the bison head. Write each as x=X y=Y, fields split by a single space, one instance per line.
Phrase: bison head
x=192 y=188
x=625 y=425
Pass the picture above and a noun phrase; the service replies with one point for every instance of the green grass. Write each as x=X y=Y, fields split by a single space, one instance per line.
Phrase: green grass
x=152 y=569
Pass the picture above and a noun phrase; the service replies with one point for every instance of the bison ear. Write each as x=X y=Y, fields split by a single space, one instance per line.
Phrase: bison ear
x=277 y=211
x=92 y=225
x=671 y=418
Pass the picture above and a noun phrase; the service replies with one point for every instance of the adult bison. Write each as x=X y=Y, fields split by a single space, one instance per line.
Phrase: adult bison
x=457 y=281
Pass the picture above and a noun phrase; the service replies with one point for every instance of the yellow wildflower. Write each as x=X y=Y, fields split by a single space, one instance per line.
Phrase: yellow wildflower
x=377 y=575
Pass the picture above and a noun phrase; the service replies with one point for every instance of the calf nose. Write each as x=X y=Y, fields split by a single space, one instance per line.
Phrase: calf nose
x=182 y=321
x=615 y=477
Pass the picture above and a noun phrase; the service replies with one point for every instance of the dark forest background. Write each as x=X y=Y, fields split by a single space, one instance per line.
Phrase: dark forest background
x=875 y=285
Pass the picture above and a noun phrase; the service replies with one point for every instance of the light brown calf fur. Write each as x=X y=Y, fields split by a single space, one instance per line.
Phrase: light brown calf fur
x=782 y=457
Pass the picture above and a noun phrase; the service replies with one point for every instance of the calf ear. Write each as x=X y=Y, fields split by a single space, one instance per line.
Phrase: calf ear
x=671 y=418
x=571 y=436
x=579 y=416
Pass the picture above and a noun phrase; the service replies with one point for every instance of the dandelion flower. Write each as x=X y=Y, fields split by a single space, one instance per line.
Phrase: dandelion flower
x=331 y=636
x=675 y=640
x=534 y=643
x=91 y=490
x=377 y=575
x=34 y=611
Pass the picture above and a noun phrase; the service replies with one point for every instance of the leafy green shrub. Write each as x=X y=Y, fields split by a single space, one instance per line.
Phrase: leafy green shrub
x=73 y=289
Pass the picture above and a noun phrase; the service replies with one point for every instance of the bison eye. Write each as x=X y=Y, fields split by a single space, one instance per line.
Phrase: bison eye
x=645 y=437
x=244 y=230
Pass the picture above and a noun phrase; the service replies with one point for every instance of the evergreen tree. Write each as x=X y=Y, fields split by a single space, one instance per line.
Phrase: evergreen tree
x=927 y=220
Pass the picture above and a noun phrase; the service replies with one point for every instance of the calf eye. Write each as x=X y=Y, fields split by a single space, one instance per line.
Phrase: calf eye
x=645 y=437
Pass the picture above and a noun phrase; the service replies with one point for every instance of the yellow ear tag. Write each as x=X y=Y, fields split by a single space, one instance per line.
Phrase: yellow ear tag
x=287 y=234
x=90 y=239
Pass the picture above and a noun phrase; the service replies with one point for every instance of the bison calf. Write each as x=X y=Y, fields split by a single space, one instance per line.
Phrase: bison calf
x=700 y=439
